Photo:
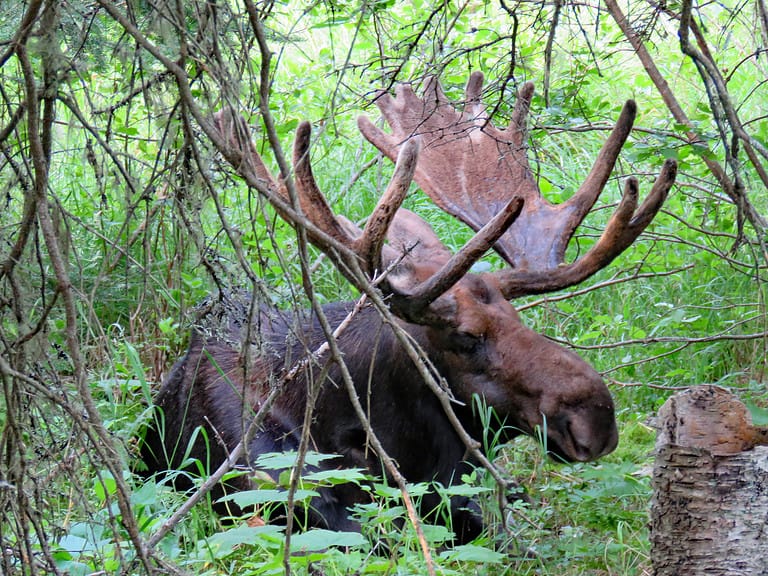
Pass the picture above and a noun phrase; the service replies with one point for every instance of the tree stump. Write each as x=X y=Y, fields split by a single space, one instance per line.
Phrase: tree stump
x=709 y=511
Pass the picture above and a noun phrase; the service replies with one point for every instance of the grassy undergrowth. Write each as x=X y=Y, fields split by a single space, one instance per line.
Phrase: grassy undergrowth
x=151 y=223
x=648 y=336
x=583 y=519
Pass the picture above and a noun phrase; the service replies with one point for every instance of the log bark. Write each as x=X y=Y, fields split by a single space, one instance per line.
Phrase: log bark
x=709 y=510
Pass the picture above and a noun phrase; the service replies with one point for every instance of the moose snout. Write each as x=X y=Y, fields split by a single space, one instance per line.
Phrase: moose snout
x=592 y=444
x=582 y=436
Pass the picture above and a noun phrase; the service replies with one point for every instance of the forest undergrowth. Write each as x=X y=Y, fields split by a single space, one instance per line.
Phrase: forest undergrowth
x=122 y=219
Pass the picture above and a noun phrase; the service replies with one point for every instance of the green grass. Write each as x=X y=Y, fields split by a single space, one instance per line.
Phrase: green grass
x=146 y=245
x=585 y=519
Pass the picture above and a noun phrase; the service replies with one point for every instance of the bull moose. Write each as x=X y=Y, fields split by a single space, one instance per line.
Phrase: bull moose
x=472 y=337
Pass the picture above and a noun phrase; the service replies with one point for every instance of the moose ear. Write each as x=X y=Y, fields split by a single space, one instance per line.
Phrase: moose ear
x=410 y=234
x=416 y=250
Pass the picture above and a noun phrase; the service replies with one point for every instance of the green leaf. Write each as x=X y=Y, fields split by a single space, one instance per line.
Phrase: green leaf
x=167 y=325
x=388 y=492
x=75 y=544
x=224 y=543
x=333 y=477
x=436 y=534
x=463 y=490
x=281 y=460
x=146 y=494
x=759 y=414
x=471 y=553
x=255 y=497
x=104 y=486
x=72 y=568
x=315 y=540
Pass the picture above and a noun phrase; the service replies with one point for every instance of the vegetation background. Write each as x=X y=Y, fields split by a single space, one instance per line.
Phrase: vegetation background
x=119 y=217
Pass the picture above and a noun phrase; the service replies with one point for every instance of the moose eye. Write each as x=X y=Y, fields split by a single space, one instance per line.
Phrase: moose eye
x=468 y=343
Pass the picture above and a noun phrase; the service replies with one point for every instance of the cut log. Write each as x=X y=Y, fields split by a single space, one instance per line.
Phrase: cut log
x=709 y=510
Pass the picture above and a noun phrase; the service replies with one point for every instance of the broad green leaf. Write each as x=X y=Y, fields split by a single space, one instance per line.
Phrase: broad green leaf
x=472 y=553
x=255 y=497
x=334 y=477
x=463 y=490
x=224 y=543
x=281 y=460
x=319 y=539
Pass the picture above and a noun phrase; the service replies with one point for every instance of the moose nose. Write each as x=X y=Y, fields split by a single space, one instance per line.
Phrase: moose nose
x=589 y=440
x=583 y=436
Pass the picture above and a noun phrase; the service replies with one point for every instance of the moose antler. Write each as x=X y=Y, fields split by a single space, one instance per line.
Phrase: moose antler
x=368 y=244
x=470 y=168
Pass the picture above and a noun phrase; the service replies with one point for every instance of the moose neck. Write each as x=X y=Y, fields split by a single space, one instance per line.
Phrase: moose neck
x=379 y=365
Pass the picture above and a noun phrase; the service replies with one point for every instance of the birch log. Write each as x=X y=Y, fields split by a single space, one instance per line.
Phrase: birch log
x=709 y=510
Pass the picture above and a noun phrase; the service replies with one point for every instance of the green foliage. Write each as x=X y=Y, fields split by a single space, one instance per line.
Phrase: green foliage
x=151 y=221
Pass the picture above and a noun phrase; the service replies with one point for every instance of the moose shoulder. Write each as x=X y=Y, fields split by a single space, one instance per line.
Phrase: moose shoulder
x=464 y=322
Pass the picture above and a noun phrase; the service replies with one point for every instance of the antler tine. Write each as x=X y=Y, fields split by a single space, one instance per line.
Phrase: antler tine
x=474 y=109
x=312 y=201
x=367 y=244
x=586 y=196
x=474 y=88
x=370 y=243
x=387 y=144
x=656 y=197
x=518 y=124
x=434 y=97
x=396 y=110
x=413 y=305
x=623 y=228
x=235 y=132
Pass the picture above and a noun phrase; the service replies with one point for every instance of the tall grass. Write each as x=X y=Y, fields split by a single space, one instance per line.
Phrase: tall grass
x=156 y=227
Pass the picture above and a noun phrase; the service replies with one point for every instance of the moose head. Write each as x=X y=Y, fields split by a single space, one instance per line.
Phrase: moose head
x=477 y=173
x=472 y=336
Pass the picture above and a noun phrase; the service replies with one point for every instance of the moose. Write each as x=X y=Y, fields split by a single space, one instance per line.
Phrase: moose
x=471 y=334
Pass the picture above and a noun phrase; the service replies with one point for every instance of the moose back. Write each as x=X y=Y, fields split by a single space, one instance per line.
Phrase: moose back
x=470 y=333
